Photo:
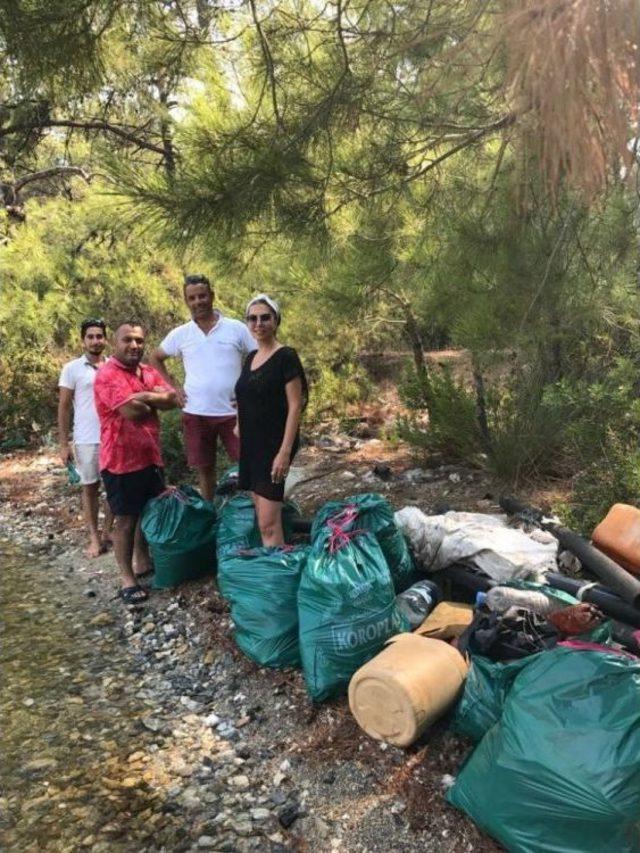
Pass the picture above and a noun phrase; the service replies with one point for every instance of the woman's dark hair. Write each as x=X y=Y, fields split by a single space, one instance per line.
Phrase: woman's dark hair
x=87 y=324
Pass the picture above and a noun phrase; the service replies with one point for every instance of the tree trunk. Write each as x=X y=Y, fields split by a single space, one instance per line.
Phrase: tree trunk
x=417 y=348
x=481 y=407
x=167 y=141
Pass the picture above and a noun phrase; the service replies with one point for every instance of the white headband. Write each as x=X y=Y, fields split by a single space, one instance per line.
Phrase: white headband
x=262 y=297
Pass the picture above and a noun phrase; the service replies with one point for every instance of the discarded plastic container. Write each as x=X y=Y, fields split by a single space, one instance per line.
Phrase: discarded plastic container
x=618 y=535
x=417 y=602
x=447 y=620
x=399 y=693
x=502 y=598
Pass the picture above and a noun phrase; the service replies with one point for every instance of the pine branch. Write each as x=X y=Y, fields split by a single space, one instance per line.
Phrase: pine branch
x=268 y=60
x=104 y=126
x=45 y=174
x=10 y=191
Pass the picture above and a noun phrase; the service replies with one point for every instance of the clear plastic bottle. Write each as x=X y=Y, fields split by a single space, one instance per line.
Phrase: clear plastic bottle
x=503 y=598
x=417 y=602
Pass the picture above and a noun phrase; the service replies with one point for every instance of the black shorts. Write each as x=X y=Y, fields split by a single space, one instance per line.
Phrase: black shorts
x=127 y=494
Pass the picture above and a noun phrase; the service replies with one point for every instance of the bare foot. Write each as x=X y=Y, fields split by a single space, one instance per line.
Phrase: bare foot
x=93 y=549
x=143 y=569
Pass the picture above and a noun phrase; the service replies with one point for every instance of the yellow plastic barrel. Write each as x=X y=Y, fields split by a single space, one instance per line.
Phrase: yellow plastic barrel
x=399 y=693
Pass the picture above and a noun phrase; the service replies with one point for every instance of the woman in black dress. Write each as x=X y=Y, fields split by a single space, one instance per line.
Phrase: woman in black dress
x=271 y=394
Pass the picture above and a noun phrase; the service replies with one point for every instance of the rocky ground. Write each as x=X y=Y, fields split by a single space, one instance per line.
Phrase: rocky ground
x=151 y=731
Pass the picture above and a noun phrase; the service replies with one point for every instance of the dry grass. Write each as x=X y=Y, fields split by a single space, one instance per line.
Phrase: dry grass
x=573 y=76
x=418 y=783
x=335 y=736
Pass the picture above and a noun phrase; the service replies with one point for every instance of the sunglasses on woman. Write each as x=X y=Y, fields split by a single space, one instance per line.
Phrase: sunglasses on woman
x=264 y=318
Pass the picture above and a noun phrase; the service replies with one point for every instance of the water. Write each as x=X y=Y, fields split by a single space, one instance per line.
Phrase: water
x=70 y=706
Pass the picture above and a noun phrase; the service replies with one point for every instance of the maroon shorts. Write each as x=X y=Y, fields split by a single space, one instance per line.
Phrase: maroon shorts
x=201 y=434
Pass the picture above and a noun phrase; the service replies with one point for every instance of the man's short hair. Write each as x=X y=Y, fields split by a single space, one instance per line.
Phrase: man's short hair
x=196 y=278
x=132 y=321
x=87 y=324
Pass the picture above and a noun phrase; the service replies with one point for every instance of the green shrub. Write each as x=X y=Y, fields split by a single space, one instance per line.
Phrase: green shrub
x=597 y=410
x=614 y=478
x=173 y=452
x=411 y=388
x=452 y=426
x=331 y=391
x=528 y=431
x=28 y=399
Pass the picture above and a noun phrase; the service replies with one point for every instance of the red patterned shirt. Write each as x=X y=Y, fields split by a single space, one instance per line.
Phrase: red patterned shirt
x=126 y=445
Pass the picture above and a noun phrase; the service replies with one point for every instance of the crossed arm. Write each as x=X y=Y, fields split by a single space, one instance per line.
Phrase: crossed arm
x=157 y=360
x=143 y=403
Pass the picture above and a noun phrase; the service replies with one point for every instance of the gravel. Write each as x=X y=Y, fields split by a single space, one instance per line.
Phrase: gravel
x=148 y=730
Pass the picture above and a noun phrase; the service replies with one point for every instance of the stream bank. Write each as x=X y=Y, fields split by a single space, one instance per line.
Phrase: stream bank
x=150 y=731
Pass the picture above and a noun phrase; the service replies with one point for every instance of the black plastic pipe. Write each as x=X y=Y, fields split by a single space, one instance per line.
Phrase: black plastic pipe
x=605 y=600
x=614 y=576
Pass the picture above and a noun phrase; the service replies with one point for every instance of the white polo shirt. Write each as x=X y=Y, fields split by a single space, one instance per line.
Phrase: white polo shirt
x=79 y=375
x=212 y=363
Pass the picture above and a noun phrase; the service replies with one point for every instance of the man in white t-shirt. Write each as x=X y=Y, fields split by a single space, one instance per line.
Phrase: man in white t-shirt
x=76 y=395
x=212 y=348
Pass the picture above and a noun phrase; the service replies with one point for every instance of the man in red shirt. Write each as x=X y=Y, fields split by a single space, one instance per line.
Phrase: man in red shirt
x=128 y=395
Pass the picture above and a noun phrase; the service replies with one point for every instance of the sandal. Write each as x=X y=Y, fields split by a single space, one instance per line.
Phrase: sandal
x=133 y=594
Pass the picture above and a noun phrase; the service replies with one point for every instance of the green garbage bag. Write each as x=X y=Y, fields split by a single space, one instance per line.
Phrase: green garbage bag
x=261 y=585
x=560 y=771
x=347 y=611
x=485 y=692
x=488 y=682
x=376 y=515
x=180 y=527
x=238 y=528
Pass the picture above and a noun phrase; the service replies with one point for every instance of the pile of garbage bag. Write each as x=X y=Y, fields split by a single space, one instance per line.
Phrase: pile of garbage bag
x=237 y=526
x=458 y=616
x=559 y=767
x=328 y=607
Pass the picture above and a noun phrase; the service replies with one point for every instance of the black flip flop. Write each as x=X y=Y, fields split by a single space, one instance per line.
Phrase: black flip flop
x=133 y=594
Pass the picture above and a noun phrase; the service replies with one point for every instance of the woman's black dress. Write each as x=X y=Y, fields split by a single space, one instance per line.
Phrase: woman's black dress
x=262 y=415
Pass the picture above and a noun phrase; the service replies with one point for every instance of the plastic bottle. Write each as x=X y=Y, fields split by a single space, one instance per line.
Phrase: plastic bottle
x=417 y=602
x=481 y=598
x=502 y=598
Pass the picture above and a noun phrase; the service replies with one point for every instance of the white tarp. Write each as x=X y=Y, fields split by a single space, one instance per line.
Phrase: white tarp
x=485 y=542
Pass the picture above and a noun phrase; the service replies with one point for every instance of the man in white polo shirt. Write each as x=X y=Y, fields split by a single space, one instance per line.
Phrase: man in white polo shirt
x=76 y=395
x=212 y=348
